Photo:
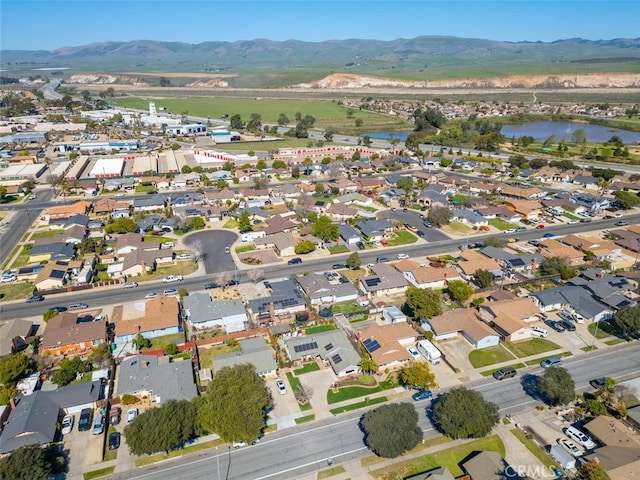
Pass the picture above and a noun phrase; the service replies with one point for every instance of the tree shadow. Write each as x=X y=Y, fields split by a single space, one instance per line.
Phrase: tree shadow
x=529 y=384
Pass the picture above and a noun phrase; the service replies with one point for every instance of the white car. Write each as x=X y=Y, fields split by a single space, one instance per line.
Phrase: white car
x=130 y=285
x=119 y=195
x=9 y=278
x=539 y=332
x=132 y=413
x=402 y=256
x=570 y=447
x=572 y=222
x=172 y=278
x=282 y=389
x=67 y=424
x=576 y=317
x=580 y=437
x=414 y=353
x=151 y=295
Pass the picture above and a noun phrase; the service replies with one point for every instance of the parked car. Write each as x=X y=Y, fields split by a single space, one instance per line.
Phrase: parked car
x=576 y=317
x=568 y=325
x=598 y=383
x=402 y=256
x=67 y=424
x=132 y=413
x=172 y=278
x=381 y=259
x=170 y=291
x=548 y=235
x=98 y=425
x=360 y=245
x=58 y=309
x=282 y=388
x=227 y=250
x=420 y=233
x=86 y=415
x=84 y=319
x=151 y=295
x=512 y=240
x=570 y=447
x=557 y=326
x=35 y=299
x=428 y=224
x=564 y=315
x=579 y=437
x=621 y=223
x=414 y=353
x=535 y=243
x=521 y=229
x=539 y=331
x=210 y=285
x=505 y=373
x=294 y=261
x=422 y=395
x=540 y=227
x=130 y=285
x=239 y=444
x=338 y=266
x=551 y=362
x=114 y=440
x=9 y=278
x=114 y=415
x=77 y=306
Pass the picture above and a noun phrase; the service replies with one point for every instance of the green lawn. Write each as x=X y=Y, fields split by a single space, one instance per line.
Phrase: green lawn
x=320 y=329
x=604 y=330
x=305 y=419
x=162 y=342
x=231 y=224
x=347 y=393
x=330 y=472
x=346 y=307
x=402 y=237
x=145 y=188
x=358 y=405
x=102 y=472
x=338 y=249
x=206 y=354
x=614 y=341
x=22 y=259
x=15 y=291
x=306 y=368
x=570 y=216
x=531 y=347
x=489 y=356
x=179 y=268
x=458 y=228
x=46 y=234
x=501 y=224
x=245 y=248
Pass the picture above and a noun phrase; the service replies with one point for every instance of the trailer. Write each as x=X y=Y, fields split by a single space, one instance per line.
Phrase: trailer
x=251 y=236
x=430 y=352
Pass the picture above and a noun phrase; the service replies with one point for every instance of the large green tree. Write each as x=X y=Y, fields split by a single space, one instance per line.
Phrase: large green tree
x=162 y=428
x=460 y=290
x=15 y=366
x=25 y=463
x=418 y=375
x=557 y=266
x=557 y=386
x=591 y=471
x=423 y=302
x=244 y=222
x=627 y=321
x=69 y=369
x=122 y=225
x=440 y=215
x=392 y=429
x=463 y=413
x=353 y=261
x=627 y=199
x=235 y=404
x=305 y=246
x=325 y=229
x=483 y=278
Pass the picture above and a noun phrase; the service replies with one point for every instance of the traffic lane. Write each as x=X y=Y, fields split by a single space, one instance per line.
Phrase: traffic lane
x=411 y=217
x=213 y=243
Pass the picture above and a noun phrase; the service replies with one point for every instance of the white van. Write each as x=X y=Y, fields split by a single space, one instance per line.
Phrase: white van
x=579 y=437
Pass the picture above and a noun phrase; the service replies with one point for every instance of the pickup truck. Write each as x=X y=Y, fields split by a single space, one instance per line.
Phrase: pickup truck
x=172 y=278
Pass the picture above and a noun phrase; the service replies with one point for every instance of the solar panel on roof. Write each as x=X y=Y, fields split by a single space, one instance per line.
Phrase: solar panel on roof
x=371 y=345
x=57 y=273
x=303 y=347
x=336 y=358
x=372 y=282
x=328 y=346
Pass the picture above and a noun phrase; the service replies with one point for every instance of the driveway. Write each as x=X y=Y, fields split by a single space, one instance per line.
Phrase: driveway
x=84 y=449
x=212 y=244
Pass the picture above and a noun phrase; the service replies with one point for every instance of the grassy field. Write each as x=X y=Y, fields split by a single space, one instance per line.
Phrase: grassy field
x=501 y=224
x=326 y=113
x=22 y=259
x=402 y=238
x=162 y=342
x=355 y=406
x=207 y=354
x=346 y=307
x=489 y=356
x=457 y=228
x=15 y=291
x=46 y=234
x=531 y=347
x=180 y=268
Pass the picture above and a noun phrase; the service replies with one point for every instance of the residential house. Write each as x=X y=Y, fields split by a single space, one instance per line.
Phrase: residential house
x=283 y=243
x=374 y=230
x=426 y=276
x=149 y=203
x=614 y=292
x=434 y=196
x=348 y=234
x=203 y=313
x=462 y=322
x=156 y=377
x=345 y=186
x=528 y=193
x=319 y=290
x=387 y=344
x=279 y=224
x=56 y=274
x=386 y=281
x=550 y=248
x=340 y=212
x=52 y=251
x=257 y=351
x=221 y=197
x=351 y=198
x=499 y=211
x=606 y=251
x=129 y=242
x=140 y=262
x=32 y=421
x=151 y=318
x=510 y=318
x=590 y=202
x=64 y=335
x=284 y=301
x=13 y=335
x=527 y=209
x=469 y=217
x=333 y=347
x=440 y=473
x=66 y=211
x=572 y=297
x=618 y=455
x=474 y=261
x=109 y=206
x=487 y=465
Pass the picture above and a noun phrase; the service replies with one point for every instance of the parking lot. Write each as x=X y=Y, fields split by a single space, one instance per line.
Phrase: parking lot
x=84 y=449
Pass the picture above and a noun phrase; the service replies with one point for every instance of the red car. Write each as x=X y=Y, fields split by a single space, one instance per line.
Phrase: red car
x=540 y=227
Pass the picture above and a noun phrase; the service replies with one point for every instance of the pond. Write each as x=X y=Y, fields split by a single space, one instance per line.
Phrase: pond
x=402 y=136
x=565 y=130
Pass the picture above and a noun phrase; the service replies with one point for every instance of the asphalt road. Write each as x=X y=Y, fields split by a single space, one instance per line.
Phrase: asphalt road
x=212 y=246
x=100 y=296
x=293 y=452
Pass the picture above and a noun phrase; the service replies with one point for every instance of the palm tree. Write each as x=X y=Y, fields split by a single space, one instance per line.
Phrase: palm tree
x=368 y=365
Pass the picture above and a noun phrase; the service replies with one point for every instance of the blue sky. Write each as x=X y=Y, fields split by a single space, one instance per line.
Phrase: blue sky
x=32 y=25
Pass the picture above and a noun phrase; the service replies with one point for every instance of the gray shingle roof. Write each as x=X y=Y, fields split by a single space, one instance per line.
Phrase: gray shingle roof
x=33 y=421
x=254 y=351
x=202 y=309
